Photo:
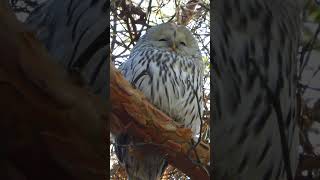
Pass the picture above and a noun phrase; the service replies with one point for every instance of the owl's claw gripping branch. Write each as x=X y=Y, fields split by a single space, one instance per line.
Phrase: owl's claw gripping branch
x=175 y=143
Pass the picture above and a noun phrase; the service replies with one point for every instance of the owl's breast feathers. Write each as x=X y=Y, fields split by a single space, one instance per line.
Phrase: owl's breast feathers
x=170 y=81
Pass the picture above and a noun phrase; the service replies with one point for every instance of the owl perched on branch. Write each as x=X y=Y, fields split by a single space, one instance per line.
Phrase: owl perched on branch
x=166 y=65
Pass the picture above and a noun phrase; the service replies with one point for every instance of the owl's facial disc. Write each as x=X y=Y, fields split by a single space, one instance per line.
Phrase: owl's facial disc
x=172 y=41
x=173 y=38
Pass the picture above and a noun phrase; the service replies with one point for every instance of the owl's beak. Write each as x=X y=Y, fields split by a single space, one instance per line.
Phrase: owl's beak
x=173 y=45
x=173 y=42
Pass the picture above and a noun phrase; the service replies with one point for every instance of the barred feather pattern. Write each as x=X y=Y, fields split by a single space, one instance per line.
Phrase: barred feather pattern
x=170 y=80
x=164 y=78
x=76 y=33
x=255 y=54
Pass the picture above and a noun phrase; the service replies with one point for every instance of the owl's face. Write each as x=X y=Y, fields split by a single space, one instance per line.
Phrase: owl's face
x=173 y=38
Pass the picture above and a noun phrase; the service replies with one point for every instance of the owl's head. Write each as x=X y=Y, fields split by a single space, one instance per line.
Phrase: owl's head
x=171 y=37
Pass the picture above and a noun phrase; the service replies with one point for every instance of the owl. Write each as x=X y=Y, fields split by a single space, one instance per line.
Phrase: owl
x=166 y=65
